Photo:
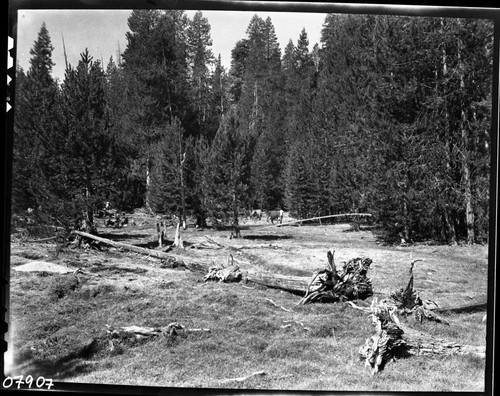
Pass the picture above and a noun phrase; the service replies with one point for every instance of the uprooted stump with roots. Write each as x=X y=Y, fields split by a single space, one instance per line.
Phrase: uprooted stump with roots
x=408 y=302
x=390 y=341
x=330 y=285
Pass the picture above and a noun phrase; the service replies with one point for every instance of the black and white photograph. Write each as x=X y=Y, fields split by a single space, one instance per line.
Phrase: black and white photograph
x=270 y=196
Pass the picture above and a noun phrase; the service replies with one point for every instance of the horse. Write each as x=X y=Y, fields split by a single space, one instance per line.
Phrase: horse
x=256 y=214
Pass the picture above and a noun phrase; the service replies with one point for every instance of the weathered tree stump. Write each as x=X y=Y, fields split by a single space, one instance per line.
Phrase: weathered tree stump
x=231 y=273
x=408 y=302
x=391 y=341
x=161 y=230
x=178 y=238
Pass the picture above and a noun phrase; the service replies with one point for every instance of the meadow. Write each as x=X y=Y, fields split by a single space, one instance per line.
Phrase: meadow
x=58 y=321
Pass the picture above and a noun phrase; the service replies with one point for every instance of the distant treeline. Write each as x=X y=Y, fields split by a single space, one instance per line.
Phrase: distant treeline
x=387 y=115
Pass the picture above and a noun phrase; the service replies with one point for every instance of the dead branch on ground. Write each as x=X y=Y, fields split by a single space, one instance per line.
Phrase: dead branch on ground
x=278 y=306
x=128 y=335
x=242 y=379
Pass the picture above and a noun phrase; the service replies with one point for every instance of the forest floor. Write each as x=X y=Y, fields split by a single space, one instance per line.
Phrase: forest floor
x=58 y=321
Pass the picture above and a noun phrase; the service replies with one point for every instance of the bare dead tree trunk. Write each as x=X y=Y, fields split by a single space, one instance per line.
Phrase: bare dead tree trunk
x=178 y=238
x=148 y=185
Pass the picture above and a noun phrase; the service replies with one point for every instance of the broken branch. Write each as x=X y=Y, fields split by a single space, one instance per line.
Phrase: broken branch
x=278 y=306
x=241 y=379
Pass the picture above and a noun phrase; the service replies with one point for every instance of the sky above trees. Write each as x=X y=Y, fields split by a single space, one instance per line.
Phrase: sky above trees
x=103 y=32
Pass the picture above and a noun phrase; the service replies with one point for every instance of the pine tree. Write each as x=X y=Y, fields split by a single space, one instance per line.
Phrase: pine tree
x=128 y=188
x=156 y=64
x=226 y=183
x=36 y=121
x=168 y=178
x=86 y=150
x=200 y=62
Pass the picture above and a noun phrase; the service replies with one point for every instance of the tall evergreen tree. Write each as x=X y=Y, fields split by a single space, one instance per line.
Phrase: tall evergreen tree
x=86 y=148
x=168 y=178
x=227 y=186
x=128 y=188
x=156 y=63
x=36 y=121
x=200 y=61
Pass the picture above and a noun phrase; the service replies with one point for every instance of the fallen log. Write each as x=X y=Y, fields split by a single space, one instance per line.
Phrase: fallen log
x=291 y=284
x=119 y=245
x=479 y=304
x=129 y=335
x=143 y=332
x=418 y=343
x=318 y=218
x=43 y=239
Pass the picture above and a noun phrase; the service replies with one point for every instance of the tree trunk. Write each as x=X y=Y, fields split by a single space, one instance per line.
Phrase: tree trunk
x=449 y=227
x=148 y=185
x=466 y=171
x=161 y=229
x=178 y=238
x=88 y=215
x=182 y=158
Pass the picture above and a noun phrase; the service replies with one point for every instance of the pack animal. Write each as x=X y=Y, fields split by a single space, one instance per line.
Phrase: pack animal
x=256 y=214
x=275 y=215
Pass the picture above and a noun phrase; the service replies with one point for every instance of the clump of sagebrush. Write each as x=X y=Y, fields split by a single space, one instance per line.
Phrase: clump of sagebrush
x=63 y=286
x=99 y=290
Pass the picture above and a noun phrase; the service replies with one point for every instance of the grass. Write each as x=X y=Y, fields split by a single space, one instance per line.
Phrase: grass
x=59 y=331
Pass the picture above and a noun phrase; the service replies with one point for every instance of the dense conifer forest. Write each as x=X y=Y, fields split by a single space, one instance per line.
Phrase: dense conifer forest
x=387 y=115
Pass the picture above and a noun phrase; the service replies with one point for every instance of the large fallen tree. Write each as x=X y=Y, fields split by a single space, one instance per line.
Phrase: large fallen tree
x=297 y=285
x=293 y=284
x=350 y=284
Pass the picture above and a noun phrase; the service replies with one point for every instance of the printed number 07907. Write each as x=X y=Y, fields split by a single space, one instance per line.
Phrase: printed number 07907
x=29 y=381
